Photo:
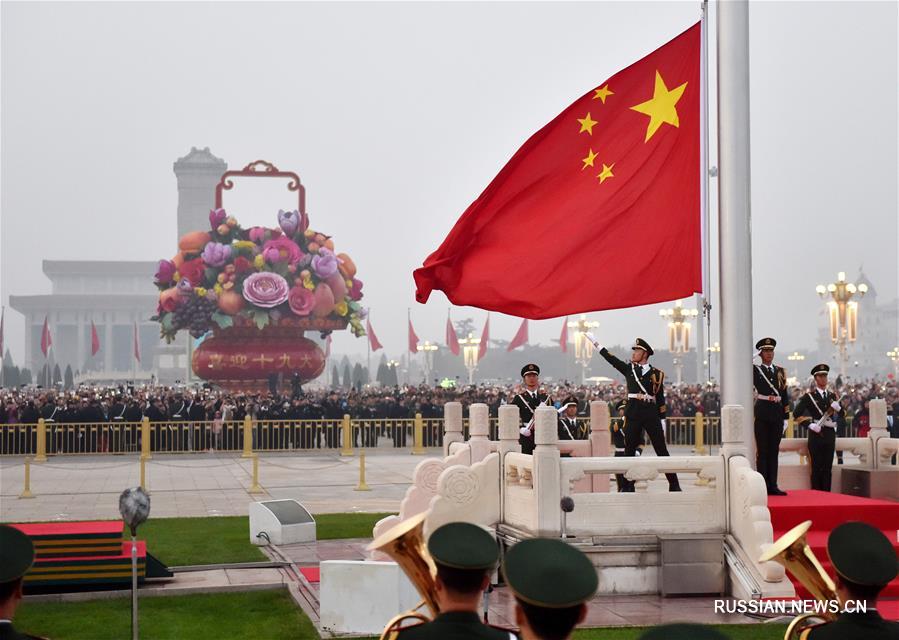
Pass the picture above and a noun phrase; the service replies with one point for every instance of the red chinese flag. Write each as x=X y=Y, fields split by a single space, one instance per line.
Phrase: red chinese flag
x=372 y=338
x=46 y=340
x=600 y=209
x=485 y=338
x=563 y=337
x=95 y=340
x=520 y=338
x=136 y=344
x=413 y=339
x=452 y=340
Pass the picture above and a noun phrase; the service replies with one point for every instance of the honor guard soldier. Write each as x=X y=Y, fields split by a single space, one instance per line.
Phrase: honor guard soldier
x=16 y=558
x=465 y=556
x=817 y=409
x=568 y=429
x=865 y=562
x=772 y=407
x=645 y=410
x=551 y=582
x=527 y=402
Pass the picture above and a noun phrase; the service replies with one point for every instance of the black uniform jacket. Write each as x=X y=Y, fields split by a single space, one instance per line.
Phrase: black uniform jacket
x=652 y=381
x=768 y=383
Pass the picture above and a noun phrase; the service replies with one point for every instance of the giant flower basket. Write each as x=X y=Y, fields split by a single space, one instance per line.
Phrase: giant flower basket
x=258 y=291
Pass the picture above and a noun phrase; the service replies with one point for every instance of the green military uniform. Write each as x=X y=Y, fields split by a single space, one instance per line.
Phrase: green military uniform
x=16 y=558
x=860 y=555
x=459 y=546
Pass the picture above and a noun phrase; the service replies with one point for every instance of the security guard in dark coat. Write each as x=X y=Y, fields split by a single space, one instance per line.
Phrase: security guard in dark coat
x=772 y=407
x=865 y=562
x=552 y=581
x=16 y=558
x=645 y=409
x=817 y=408
x=465 y=556
x=527 y=402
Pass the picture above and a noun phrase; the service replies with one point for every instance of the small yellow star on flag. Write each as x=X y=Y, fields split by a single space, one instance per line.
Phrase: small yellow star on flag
x=602 y=93
x=588 y=161
x=606 y=172
x=586 y=124
x=661 y=108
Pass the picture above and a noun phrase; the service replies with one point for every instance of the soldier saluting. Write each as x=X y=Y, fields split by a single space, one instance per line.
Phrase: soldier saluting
x=645 y=410
x=772 y=406
x=527 y=402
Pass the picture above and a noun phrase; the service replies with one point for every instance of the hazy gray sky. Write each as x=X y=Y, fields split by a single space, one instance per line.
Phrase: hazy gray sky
x=396 y=116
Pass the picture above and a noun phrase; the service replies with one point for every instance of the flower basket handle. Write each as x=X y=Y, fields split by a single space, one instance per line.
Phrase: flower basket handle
x=262 y=169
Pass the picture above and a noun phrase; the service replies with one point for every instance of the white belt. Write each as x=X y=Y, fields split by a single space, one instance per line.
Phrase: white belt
x=645 y=397
x=769 y=398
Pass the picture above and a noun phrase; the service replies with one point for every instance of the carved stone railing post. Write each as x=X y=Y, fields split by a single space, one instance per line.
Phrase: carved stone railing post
x=508 y=430
x=452 y=425
x=732 y=443
x=547 y=473
x=600 y=441
x=878 y=422
x=479 y=431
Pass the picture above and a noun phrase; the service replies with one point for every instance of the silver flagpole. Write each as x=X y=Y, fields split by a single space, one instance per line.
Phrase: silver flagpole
x=734 y=231
x=703 y=338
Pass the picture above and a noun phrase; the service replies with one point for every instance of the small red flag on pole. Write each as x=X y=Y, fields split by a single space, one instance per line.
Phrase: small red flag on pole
x=452 y=340
x=372 y=338
x=521 y=338
x=95 y=340
x=563 y=337
x=46 y=340
x=485 y=338
x=413 y=339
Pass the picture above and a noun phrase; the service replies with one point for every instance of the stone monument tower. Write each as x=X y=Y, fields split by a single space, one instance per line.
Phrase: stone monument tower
x=198 y=172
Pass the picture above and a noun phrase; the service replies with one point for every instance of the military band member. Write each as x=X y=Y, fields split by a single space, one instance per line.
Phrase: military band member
x=527 y=402
x=16 y=558
x=552 y=581
x=465 y=556
x=817 y=408
x=645 y=409
x=865 y=562
x=772 y=407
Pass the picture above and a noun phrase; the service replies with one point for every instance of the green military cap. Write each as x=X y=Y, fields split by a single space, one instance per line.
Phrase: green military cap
x=640 y=343
x=462 y=545
x=16 y=553
x=862 y=554
x=683 y=631
x=765 y=343
x=820 y=368
x=530 y=368
x=549 y=573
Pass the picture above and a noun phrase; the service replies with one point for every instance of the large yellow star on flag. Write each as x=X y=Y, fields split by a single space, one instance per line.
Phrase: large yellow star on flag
x=661 y=108
x=586 y=124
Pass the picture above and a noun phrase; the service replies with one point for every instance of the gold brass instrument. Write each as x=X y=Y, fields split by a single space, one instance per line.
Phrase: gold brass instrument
x=405 y=545
x=792 y=551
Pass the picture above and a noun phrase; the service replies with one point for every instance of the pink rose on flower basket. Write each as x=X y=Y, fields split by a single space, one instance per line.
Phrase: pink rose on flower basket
x=281 y=250
x=301 y=301
x=265 y=289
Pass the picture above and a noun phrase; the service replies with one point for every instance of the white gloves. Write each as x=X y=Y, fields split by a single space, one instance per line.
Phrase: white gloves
x=786 y=423
x=835 y=405
x=593 y=339
x=664 y=426
x=815 y=427
x=525 y=431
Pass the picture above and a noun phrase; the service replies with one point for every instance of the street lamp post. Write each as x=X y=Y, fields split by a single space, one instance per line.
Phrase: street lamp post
x=428 y=348
x=583 y=348
x=678 y=333
x=714 y=350
x=394 y=364
x=843 y=313
x=796 y=358
x=894 y=356
x=470 y=346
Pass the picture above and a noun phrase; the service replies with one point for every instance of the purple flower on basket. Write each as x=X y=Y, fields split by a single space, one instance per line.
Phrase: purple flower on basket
x=301 y=301
x=217 y=217
x=281 y=249
x=165 y=272
x=216 y=254
x=184 y=287
x=265 y=289
x=325 y=263
x=292 y=221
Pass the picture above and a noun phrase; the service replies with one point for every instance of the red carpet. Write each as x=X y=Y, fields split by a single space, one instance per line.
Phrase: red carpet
x=312 y=574
x=826 y=511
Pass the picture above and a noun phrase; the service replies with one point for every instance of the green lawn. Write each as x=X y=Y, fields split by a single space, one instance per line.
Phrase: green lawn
x=732 y=631
x=252 y=615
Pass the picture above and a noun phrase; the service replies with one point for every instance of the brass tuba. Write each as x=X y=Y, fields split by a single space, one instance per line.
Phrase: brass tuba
x=405 y=544
x=792 y=551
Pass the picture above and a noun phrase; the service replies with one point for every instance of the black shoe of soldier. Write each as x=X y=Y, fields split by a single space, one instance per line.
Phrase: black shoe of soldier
x=776 y=492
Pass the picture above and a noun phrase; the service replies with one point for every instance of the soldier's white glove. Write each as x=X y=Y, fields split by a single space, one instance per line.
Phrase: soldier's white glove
x=664 y=426
x=786 y=423
x=835 y=405
x=815 y=427
x=593 y=339
x=525 y=431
